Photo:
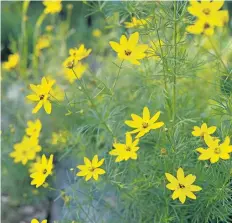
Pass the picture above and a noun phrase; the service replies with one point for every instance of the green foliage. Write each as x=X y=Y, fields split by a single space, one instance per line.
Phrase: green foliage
x=190 y=83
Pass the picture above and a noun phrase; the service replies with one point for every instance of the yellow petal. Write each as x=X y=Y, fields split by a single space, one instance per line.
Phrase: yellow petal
x=115 y=46
x=47 y=106
x=190 y=195
x=133 y=40
x=180 y=175
x=194 y=188
x=182 y=198
x=171 y=178
x=146 y=114
x=33 y=97
x=37 y=107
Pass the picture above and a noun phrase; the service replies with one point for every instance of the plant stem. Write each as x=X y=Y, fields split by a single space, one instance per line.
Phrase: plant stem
x=116 y=79
x=36 y=34
x=219 y=57
x=93 y=104
x=175 y=55
x=24 y=40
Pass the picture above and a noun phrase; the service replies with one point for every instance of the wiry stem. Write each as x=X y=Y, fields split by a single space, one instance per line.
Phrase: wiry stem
x=93 y=104
x=175 y=55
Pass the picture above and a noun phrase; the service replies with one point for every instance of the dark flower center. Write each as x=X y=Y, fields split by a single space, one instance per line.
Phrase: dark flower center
x=91 y=169
x=217 y=150
x=41 y=97
x=206 y=11
x=128 y=148
x=45 y=171
x=145 y=125
x=206 y=26
x=181 y=186
x=128 y=52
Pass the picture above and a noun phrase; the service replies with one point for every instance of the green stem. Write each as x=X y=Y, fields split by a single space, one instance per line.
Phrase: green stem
x=24 y=41
x=35 y=38
x=175 y=56
x=116 y=79
x=93 y=104
x=219 y=57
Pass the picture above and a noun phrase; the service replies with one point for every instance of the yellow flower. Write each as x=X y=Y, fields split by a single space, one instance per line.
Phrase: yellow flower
x=144 y=124
x=79 y=54
x=42 y=170
x=209 y=15
x=42 y=95
x=201 y=26
x=36 y=221
x=79 y=70
x=25 y=150
x=12 y=62
x=135 y=23
x=42 y=43
x=125 y=151
x=91 y=168
x=209 y=11
x=128 y=49
x=34 y=128
x=52 y=7
x=203 y=130
x=215 y=151
x=97 y=33
x=154 y=50
x=182 y=186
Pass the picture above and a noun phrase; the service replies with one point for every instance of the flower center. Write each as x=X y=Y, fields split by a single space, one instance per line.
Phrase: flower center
x=45 y=171
x=206 y=26
x=128 y=148
x=217 y=150
x=181 y=186
x=91 y=169
x=41 y=97
x=145 y=125
x=128 y=52
x=206 y=11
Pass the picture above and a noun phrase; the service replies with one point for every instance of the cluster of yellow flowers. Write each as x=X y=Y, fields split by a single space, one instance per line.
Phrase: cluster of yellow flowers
x=215 y=151
x=73 y=68
x=208 y=15
x=27 y=150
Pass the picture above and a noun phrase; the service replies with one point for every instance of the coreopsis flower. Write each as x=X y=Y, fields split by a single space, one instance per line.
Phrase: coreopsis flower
x=96 y=33
x=154 y=49
x=215 y=151
x=144 y=124
x=42 y=95
x=209 y=11
x=125 y=151
x=182 y=186
x=135 y=23
x=91 y=168
x=129 y=49
x=79 y=54
x=36 y=221
x=52 y=7
x=42 y=43
x=79 y=70
x=42 y=170
x=34 y=128
x=12 y=62
x=25 y=150
x=203 y=130
x=208 y=15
